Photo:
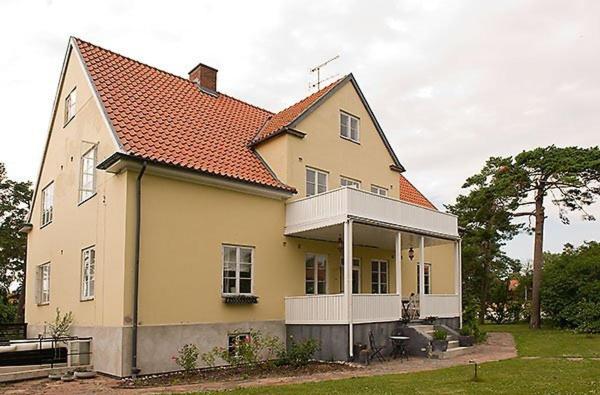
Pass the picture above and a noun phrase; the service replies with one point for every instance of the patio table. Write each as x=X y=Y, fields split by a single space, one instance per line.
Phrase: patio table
x=399 y=346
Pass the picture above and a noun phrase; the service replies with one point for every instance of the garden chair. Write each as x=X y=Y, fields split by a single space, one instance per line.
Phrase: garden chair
x=376 y=349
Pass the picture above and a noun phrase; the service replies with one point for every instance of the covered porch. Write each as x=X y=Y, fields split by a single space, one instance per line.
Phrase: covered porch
x=386 y=240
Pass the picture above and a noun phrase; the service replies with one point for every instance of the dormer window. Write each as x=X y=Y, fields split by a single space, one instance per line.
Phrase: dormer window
x=70 y=105
x=349 y=127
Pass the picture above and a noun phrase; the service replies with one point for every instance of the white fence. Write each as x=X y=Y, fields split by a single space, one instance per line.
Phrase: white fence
x=331 y=309
x=333 y=207
x=439 y=306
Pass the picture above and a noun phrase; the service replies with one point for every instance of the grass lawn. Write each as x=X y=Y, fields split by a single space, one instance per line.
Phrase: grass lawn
x=550 y=373
x=550 y=342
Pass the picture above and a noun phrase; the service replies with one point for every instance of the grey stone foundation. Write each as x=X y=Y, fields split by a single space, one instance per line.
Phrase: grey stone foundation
x=333 y=339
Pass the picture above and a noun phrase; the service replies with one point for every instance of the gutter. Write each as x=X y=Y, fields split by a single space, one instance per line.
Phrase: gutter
x=136 y=276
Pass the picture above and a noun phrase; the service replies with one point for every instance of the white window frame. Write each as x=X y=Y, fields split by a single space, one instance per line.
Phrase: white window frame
x=381 y=191
x=316 y=273
x=43 y=283
x=70 y=105
x=312 y=188
x=237 y=262
x=427 y=281
x=87 y=191
x=350 y=182
x=355 y=268
x=47 y=204
x=379 y=283
x=88 y=273
x=346 y=130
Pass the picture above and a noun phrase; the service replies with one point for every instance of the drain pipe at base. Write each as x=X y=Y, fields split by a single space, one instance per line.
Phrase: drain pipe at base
x=136 y=273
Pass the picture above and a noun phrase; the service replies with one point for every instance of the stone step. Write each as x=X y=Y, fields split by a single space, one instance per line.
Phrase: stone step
x=452 y=344
x=452 y=352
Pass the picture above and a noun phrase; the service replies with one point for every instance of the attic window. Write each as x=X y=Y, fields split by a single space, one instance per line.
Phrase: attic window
x=349 y=127
x=70 y=105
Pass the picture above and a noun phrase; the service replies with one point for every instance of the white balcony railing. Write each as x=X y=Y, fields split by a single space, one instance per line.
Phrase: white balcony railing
x=331 y=309
x=439 y=306
x=375 y=308
x=316 y=309
x=333 y=207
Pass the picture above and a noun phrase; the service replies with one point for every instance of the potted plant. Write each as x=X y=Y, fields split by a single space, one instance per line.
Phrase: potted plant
x=440 y=340
x=465 y=338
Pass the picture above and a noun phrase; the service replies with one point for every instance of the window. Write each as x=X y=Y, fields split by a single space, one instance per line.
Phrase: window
x=379 y=190
x=348 y=182
x=88 y=269
x=316 y=181
x=234 y=340
x=237 y=269
x=87 y=180
x=70 y=103
x=427 y=269
x=316 y=274
x=349 y=126
x=355 y=275
x=43 y=283
x=47 y=204
x=379 y=277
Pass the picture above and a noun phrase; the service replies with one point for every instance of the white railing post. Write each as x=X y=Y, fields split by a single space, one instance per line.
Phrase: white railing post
x=348 y=280
x=398 y=256
x=422 y=302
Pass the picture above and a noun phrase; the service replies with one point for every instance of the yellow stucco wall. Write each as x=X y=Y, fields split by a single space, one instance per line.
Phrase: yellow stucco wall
x=323 y=148
x=98 y=221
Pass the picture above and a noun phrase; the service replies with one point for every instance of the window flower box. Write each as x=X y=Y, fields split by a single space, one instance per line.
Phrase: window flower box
x=240 y=299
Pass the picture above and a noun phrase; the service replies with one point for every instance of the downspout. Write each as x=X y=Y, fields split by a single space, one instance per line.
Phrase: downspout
x=136 y=273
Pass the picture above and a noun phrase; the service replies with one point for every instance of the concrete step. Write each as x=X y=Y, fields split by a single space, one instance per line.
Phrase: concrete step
x=452 y=352
x=452 y=344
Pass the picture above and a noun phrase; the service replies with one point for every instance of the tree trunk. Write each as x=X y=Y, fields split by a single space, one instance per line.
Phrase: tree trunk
x=485 y=287
x=538 y=260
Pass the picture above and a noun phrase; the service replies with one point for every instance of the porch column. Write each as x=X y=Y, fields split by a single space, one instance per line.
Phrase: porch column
x=348 y=281
x=399 y=268
x=458 y=275
x=421 y=275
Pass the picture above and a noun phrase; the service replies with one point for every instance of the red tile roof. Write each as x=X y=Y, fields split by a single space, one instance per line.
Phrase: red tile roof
x=165 y=118
x=284 y=118
x=410 y=194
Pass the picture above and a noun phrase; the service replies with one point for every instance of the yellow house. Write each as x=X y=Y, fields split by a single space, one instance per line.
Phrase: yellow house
x=167 y=212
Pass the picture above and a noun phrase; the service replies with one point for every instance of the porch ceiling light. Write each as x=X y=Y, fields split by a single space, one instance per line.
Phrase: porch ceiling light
x=411 y=253
x=340 y=244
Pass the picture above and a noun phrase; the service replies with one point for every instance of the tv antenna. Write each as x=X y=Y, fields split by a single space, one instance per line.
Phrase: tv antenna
x=317 y=69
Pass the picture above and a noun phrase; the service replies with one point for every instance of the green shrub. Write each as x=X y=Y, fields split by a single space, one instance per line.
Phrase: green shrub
x=440 y=334
x=466 y=330
x=299 y=353
x=571 y=288
x=249 y=349
x=187 y=358
x=61 y=326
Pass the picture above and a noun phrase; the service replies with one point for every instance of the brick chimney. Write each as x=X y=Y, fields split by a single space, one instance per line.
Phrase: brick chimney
x=205 y=76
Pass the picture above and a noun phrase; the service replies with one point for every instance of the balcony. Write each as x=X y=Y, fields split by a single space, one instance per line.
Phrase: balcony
x=335 y=206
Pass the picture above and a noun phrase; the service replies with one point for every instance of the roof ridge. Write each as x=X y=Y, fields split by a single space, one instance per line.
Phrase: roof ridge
x=312 y=94
x=168 y=73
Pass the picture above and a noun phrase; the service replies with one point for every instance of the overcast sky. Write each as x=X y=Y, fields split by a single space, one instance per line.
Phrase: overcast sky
x=451 y=82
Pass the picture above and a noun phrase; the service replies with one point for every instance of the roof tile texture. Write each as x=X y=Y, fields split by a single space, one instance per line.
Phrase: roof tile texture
x=410 y=194
x=168 y=119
